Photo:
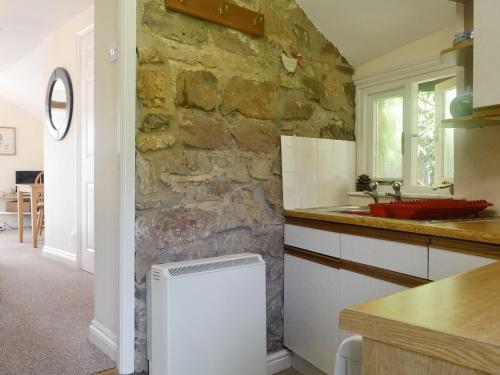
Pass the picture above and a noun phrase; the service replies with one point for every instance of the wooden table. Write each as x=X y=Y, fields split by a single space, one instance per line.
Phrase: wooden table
x=450 y=326
x=35 y=192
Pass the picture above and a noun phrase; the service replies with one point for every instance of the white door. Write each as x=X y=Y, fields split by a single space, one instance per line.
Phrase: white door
x=86 y=143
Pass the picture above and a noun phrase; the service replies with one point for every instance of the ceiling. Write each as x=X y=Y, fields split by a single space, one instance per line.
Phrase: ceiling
x=366 y=29
x=25 y=23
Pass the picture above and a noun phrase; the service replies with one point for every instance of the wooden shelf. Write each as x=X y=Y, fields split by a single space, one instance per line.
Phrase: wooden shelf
x=469 y=122
x=460 y=55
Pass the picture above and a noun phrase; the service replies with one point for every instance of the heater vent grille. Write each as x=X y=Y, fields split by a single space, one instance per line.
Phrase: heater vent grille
x=212 y=266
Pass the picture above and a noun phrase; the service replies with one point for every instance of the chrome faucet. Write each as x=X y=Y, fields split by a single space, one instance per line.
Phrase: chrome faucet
x=449 y=186
x=396 y=186
x=373 y=191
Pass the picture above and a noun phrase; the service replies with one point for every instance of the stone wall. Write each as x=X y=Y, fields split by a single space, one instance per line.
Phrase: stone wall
x=211 y=105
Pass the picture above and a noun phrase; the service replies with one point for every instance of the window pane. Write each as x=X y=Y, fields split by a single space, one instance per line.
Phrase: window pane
x=426 y=137
x=388 y=133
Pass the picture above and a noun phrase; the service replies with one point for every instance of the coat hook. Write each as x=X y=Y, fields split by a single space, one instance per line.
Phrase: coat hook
x=257 y=20
x=223 y=7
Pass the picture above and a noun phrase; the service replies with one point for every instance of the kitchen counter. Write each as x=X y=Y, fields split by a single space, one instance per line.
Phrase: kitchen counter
x=486 y=230
x=449 y=326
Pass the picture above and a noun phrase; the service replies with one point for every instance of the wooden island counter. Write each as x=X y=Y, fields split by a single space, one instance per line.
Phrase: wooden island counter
x=451 y=326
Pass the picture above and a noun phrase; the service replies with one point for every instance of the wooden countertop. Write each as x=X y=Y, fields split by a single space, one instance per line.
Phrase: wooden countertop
x=484 y=230
x=455 y=319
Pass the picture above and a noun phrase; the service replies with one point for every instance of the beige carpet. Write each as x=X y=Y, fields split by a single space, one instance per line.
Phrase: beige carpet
x=45 y=312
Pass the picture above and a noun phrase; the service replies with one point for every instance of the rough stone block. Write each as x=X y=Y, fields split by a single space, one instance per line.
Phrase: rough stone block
x=151 y=87
x=155 y=122
x=237 y=170
x=146 y=175
x=256 y=137
x=186 y=163
x=146 y=142
x=260 y=169
x=197 y=89
x=251 y=98
x=182 y=225
x=297 y=110
x=175 y=26
x=150 y=55
x=202 y=131
x=314 y=88
x=233 y=41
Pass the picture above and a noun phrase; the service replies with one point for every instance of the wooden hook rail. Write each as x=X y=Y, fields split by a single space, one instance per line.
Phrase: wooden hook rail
x=221 y=12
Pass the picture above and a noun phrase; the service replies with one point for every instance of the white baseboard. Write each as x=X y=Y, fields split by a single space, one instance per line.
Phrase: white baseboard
x=278 y=361
x=104 y=339
x=59 y=255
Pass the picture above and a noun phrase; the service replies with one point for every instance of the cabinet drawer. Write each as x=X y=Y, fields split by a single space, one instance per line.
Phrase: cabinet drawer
x=394 y=256
x=319 y=241
x=443 y=263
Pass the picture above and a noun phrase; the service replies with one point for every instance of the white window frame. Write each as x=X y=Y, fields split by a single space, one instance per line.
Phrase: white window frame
x=370 y=131
x=441 y=89
x=404 y=78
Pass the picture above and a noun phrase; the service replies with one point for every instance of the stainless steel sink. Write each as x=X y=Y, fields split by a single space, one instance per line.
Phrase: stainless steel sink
x=346 y=209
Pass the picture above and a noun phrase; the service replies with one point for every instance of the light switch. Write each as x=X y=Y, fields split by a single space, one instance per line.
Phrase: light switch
x=113 y=54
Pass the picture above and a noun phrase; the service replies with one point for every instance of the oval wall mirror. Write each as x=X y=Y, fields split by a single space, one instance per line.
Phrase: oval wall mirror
x=59 y=103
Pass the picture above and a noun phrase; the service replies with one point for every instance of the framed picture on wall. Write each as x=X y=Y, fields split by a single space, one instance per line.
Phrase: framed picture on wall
x=7 y=141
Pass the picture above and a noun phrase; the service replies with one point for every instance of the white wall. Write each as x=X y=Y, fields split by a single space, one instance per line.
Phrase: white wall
x=106 y=175
x=427 y=47
x=26 y=83
x=24 y=86
x=60 y=50
x=21 y=106
x=29 y=143
x=476 y=165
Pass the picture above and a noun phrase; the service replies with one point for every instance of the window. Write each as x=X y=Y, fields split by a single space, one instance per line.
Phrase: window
x=433 y=145
x=388 y=132
x=401 y=137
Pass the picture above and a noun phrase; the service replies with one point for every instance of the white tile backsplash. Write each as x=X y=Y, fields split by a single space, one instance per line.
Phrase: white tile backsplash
x=288 y=158
x=305 y=151
x=291 y=190
x=317 y=172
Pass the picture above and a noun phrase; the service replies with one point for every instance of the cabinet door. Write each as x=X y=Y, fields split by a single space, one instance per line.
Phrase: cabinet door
x=311 y=311
x=486 y=53
x=443 y=263
x=390 y=255
x=356 y=288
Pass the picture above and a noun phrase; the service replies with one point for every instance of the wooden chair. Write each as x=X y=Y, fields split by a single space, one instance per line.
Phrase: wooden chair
x=40 y=208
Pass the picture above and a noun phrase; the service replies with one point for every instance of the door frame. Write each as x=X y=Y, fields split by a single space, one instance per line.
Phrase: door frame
x=78 y=149
x=126 y=155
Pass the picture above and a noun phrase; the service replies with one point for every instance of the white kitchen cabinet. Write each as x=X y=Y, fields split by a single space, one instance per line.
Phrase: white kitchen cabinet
x=486 y=53
x=312 y=297
x=319 y=241
x=356 y=288
x=443 y=263
x=394 y=256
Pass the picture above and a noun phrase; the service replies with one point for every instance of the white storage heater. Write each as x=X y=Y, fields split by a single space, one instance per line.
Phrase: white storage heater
x=208 y=317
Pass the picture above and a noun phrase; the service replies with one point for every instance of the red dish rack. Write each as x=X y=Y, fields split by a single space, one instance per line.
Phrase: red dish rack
x=428 y=209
